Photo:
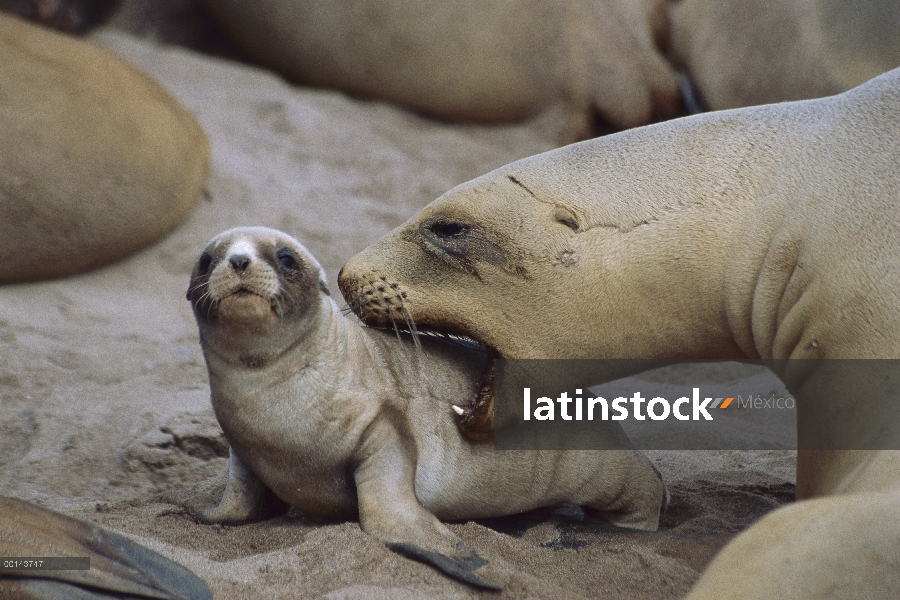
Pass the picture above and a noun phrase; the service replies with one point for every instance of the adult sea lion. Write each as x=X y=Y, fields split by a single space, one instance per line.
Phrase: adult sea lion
x=746 y=52
x=338 y=419
x=767 y=232
x=99 y=159
x=473 y=61
x=118 y=567
x=842 y=546
x=72 y=16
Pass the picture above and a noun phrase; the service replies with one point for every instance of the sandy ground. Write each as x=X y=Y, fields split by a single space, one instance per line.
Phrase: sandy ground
x=104 y=402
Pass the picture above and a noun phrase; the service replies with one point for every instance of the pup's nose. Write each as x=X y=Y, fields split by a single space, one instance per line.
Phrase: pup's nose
x=239 y=261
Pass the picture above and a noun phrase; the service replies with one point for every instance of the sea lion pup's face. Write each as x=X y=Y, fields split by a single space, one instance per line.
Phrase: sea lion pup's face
x=255 y=291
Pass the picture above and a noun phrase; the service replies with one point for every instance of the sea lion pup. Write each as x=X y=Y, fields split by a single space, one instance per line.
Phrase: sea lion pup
x=747 y=52
x=473 y=61
x=338 y=419
x=118 y=567
x=767 y=232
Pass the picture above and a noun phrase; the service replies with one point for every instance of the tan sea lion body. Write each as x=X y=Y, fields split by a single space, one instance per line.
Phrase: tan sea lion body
x=118 y=567
x=767 y=232
x=339 y=419
x=747 y=52
x=842 y=546
x=472 y=61
x=99 y=160
x=71 y=16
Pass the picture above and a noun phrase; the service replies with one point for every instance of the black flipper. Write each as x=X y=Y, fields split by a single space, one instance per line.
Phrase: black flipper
x=461 y=568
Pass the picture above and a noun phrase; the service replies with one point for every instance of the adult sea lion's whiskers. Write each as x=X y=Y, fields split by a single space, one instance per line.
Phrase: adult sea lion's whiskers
x=390 y=312
x=358 y=302
x=353 y=305
x=409 y=323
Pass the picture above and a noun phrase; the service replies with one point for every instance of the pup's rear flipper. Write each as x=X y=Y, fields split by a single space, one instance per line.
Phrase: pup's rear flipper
x=119 y=568
x=461 y=567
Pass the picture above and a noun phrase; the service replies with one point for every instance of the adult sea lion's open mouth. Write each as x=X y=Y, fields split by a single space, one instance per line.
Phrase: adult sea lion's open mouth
x=476 y=420
x=382 y=304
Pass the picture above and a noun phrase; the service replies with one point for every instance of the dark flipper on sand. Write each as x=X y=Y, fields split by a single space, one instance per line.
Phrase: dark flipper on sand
x=119 y=568
x=461 y=568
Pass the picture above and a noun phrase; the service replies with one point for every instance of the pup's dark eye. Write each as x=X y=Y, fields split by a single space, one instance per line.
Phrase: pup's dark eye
x=205 y=261
x=448 y=229
x=286 y=258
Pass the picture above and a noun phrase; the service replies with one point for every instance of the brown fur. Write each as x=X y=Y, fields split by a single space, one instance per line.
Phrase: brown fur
x=747 y=52
x=118 y=566
x=99 y=159
x=473 y=61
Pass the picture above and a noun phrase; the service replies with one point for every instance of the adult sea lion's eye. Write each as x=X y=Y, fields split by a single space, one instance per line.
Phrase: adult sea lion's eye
x=286 y=258
x=448 y=229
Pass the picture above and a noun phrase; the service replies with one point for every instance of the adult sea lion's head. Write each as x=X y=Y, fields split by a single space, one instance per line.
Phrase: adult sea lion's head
x=468 y=267
x=567 y=254
x=611 y=248
x=255 y=291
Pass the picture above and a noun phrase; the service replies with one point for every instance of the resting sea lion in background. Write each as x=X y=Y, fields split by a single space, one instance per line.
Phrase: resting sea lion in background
x=747 y=52
x=99 y=159
x=842 y=546
x=472 y=61
x=118 y=567
x=72 y=16
x=767 y=232
x=338 y=419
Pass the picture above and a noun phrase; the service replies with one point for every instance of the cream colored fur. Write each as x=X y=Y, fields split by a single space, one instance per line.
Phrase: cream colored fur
x=339 y=419
x=768 y=232
x=834 y=547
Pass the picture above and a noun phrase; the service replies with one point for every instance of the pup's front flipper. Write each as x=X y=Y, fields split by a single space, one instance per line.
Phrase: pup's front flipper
x=390 y=511
x=246 y=498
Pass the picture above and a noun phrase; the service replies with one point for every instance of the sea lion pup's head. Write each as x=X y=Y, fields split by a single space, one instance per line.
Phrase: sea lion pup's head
x=255 y=291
